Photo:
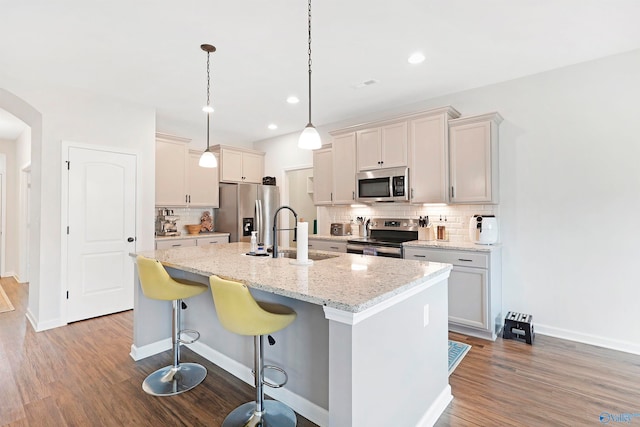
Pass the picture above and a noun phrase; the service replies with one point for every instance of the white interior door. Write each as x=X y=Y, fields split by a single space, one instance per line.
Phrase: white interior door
x=101 y=232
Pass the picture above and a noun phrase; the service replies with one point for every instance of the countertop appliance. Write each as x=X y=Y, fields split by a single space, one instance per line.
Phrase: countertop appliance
x=166 y=223
x=340 y=228
x=245 y=208
x=483 y=229
x=386 y=237
x=383 y=185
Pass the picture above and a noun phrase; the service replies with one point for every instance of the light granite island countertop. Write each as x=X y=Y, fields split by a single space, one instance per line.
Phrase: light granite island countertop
x=369 y=345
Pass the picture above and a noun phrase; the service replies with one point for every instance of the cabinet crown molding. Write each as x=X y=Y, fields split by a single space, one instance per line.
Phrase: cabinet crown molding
x=495 y=117
x=452 y=112
x=172 y=138
x=218 y=147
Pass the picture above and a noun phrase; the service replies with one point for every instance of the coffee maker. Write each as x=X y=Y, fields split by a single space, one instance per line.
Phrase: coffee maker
x=166 y=223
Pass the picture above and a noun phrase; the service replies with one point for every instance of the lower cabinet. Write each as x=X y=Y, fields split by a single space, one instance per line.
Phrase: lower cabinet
x=211 y=240
x=475 y=288
x=327 y=245
x=174 y=243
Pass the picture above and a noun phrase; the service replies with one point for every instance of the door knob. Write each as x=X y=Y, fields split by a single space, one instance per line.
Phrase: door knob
x=130 y=239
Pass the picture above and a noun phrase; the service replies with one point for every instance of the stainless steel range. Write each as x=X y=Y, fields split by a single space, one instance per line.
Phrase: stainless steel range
x=386 y=238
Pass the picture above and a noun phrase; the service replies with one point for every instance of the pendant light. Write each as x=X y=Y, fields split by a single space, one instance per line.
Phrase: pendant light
x=309 y=138
x=208 y=160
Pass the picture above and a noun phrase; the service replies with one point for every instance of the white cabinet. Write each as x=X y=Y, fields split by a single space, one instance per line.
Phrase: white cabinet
x=202 y=183
x=429 y=155
x=344 y=169
x=475 y=288
x=239 y=164
x=327 y=245
x=382 y=147
x=179 y=179
x=174 y=243
x=323 y=176
x=473 y=159
x=171 y=170
x=211 y=240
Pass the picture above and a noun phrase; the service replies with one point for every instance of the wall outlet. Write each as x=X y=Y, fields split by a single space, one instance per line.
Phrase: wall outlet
x=426 y=314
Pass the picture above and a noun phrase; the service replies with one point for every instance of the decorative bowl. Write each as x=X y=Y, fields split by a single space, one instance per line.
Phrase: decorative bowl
x=193 y=228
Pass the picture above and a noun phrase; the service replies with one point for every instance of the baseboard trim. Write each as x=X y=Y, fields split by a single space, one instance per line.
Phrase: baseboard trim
x=43 y=326
x=437 y=408
x=302 y=406
x=625 y=346
x=139 y=353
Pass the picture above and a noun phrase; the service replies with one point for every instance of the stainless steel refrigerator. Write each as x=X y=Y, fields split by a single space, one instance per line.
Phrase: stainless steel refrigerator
x=245 y=208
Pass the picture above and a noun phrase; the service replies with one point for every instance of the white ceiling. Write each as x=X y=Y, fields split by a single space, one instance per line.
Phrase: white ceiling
x=149 y=52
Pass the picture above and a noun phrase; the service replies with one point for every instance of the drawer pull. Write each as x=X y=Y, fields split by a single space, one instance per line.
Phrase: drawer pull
x=419 y=256
x=334 y=247
x=176 y=245
x=465 y=260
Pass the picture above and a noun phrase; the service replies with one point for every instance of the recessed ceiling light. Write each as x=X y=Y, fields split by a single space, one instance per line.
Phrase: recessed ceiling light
x=416 y=58
x=273 y=126
x=365 y=83
x=293 y=100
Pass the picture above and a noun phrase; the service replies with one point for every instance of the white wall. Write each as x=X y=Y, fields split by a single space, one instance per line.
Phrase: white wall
x=72 y=115
x=570 y=194
x=23 y=161
x=10 y=265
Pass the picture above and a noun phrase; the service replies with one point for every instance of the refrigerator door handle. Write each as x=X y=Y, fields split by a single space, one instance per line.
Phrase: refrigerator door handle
x=259 y=221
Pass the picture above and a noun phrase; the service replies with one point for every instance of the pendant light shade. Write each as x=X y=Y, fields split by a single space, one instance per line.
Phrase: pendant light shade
x=310 y=138
x=208 y=160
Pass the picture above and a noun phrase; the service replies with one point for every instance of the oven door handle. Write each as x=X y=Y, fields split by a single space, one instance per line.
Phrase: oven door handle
x=380 y=249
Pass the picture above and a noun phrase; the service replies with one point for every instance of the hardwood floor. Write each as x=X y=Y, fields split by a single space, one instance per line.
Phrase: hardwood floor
x=82 y=375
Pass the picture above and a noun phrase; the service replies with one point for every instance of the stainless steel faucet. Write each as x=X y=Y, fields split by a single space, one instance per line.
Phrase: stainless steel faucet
x=276 y=229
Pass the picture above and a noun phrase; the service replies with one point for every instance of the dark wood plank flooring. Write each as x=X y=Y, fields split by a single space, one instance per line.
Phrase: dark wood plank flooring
x=82 y=375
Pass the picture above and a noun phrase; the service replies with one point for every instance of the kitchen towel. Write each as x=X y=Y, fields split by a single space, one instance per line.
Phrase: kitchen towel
x=303 y=242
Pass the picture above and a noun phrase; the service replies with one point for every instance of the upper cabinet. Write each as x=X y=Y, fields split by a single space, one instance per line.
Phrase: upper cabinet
x=473 y=159
x=171 y=170
x=323 y=176
x=429 y=155
x=203 y=183
x=179 y=179
x=344 y=169
x=334 y=171
x=240 y=164
x=382 y=147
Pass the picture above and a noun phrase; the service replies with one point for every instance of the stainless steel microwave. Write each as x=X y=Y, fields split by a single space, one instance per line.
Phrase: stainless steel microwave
x=383 y=185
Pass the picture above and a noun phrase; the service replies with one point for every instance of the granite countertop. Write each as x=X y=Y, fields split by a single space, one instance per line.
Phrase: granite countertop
x=438 y=244
x=332 y=238
x=192 y=236
x=347 y=282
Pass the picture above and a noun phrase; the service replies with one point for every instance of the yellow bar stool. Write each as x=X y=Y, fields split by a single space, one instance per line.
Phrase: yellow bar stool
x=240 y=313
x=157 y=284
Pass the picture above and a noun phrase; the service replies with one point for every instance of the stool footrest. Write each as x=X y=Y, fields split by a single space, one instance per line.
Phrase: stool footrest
x=189 y=332
x=275 y=368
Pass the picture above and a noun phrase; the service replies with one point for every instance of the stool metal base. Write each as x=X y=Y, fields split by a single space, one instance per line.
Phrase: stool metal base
x=169 y=381
x=275 y=414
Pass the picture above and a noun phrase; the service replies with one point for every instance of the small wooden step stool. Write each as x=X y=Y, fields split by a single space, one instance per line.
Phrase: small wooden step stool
x=519 y=326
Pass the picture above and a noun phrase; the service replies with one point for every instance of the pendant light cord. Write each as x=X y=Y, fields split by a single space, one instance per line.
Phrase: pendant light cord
x=309 y=51
x=208 y=98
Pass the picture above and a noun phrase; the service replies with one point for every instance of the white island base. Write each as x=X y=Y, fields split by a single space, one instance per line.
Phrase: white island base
x=383 y=365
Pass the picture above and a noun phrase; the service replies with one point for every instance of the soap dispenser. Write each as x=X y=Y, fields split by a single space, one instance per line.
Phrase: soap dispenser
x=254 y=242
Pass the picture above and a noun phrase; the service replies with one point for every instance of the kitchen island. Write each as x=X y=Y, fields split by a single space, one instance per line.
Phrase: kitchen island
x=369 y=345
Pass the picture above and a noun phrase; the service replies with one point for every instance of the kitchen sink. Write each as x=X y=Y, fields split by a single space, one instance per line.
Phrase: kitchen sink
x=314 y=256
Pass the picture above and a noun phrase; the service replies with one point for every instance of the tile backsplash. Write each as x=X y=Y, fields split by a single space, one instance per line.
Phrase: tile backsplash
x=188 y=216
x=457 y=216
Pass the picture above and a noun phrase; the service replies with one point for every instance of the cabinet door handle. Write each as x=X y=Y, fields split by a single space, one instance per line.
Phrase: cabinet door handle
x=332 y=196
x=186 y=198
x=353 y=195
x=412 y=193
x=419 y=256
x=452 y=192
x=189 y=198
x=465 y=260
